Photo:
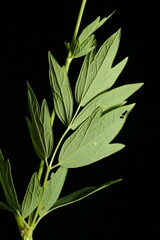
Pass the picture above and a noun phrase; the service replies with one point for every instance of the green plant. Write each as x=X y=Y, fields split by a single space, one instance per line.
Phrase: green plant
x=100 y=115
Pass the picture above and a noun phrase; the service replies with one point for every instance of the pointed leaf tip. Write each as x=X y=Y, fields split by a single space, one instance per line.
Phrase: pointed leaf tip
x=81 y=194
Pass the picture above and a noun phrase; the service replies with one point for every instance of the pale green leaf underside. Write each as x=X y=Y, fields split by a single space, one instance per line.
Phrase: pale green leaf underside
x=87 y=46
x=92 y=27
x=85 y=42
x=53 y=190
x=62 y=94
x=97 y=74
x=107 y=101
x=90 y=142
x=32 y=197
x=80 y=194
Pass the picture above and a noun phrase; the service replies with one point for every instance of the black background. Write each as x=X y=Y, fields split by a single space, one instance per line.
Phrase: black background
x=127 y=210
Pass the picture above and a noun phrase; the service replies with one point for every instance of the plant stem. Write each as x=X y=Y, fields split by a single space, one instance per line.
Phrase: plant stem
x=79 y=19
x=25 y=230
x=40 y=171
x=76 y=30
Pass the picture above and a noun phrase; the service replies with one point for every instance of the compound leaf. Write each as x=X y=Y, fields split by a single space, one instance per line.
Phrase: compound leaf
x=53 y=190
x=32 y=197
x=62 y=94
x=80 y=194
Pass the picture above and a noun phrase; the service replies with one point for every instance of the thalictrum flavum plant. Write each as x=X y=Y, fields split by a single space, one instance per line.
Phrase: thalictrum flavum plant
x=100 y=114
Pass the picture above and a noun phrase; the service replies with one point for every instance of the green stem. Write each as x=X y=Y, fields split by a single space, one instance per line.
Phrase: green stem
x=25 y=230
x=76 y=30
x=40 y=171
x=79 y=19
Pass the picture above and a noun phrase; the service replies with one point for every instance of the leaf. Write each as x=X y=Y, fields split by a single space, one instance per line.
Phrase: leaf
x=90 y=142
x=40 y=126
x=87 y=46
x=92 y=27
x=106 y=101
x=7 y=184
x=4 y=206
x=97 y=74
x=47 y=132
x=62 y=94
x=33 y=104
x=80 y=194
x=32 y=197
x=85 y=42
x=82 y=84
x=53 y=190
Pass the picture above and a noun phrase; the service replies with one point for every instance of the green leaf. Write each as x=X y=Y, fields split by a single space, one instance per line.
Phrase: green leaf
x=97 y=74
x=38 y=147
x=4 y=206
x=32 y=197
x=47 y=132
x=90 y=142
x=62 y=94
x=82 y=84
x=40 y=126
x=80 y=194
x=53 y=190
x=87 y=46
x=33 y=104
x=7 y=184
x=85 y=42
x=92 y=27
x=106 y=101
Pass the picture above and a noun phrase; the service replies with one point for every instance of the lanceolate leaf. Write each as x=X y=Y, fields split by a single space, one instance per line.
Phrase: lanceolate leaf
x=107 y=101
x=90 y=142
x=47 y=132
x=80 y=194
x=40 y=126
x=62 y=94
x=32 y=197
x=53 y=190
x=97 y=74
x=7 y=184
